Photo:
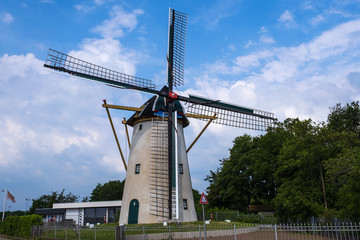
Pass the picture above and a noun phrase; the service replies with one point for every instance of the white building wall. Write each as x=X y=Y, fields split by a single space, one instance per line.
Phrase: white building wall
x=73 y=214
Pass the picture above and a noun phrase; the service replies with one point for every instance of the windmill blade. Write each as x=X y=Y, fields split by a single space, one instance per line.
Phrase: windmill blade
x=176 y=48
x=229 y=114
x=74 y=66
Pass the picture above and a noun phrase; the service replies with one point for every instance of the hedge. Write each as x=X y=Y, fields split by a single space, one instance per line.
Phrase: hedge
x=19 y=226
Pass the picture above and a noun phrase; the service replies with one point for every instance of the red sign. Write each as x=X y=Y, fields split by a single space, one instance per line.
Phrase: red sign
x=203 y=199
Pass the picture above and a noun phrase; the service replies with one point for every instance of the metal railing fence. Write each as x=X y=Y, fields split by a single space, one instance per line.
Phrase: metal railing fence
x=236 y=216
x=213 y=231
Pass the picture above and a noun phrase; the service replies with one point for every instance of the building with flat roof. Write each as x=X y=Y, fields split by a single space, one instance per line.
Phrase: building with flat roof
x=82 y=213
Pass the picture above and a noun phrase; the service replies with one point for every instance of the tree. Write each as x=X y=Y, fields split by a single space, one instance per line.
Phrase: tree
x=213 y=190
x=112 y=190
x=302 y=168
x=343 y=171
x=197 y=195
x=247 y=176
x=300 y=172
x=47 y=201
x=345 y=118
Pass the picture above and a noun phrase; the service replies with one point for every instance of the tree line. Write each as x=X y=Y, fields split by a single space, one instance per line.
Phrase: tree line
x=299 y=168
x=112 y=190
x=109 y=191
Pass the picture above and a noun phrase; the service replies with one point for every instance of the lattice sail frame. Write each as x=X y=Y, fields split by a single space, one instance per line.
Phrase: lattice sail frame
x=66 y=63
x=257 y=120
x=179 y=37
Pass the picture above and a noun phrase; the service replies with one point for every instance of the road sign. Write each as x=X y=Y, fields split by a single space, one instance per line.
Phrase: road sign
x=203 y=199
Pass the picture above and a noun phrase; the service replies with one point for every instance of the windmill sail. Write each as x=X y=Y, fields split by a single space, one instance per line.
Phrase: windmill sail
x=74 y=66
x=176 y=48
x=230 y=114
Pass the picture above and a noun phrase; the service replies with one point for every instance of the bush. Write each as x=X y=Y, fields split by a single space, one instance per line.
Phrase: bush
x=20 y=226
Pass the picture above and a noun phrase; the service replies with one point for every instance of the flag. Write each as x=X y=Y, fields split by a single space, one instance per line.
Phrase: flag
x=11 y=197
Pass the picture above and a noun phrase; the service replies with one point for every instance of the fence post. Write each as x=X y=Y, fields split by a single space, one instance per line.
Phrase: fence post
x=275 y=228
x=144 y=235
x=199 y=231
x=119 y=232
x=235 y=231
x=204 y=230
x=95 y=232
x=169 y=232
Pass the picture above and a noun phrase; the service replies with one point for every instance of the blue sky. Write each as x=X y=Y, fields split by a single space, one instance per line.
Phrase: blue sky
x=292 y=58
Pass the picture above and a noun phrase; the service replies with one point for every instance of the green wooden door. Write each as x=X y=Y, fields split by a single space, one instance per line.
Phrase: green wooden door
x=133 y=212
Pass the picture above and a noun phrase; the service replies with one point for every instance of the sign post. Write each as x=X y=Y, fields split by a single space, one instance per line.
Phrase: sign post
x=203 y=201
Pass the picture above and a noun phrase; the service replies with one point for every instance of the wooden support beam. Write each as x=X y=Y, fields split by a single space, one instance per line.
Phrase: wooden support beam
x=117 y=141
x=202 y=131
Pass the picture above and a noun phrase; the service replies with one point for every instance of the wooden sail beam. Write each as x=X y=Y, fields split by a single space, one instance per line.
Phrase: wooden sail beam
x=122 y=107
x=191 y=115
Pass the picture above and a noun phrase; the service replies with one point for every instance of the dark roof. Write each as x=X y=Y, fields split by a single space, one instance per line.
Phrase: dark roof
x=155 y=107
x=42 y=211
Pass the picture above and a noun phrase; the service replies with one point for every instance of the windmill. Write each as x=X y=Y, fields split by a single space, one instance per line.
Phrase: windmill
x=158 y=183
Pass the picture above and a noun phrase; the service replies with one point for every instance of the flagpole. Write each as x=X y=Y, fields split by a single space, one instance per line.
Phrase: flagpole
x=3 y=216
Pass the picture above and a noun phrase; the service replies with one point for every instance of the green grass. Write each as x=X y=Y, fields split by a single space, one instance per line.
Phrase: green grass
x=107 y=231
x=102 y=233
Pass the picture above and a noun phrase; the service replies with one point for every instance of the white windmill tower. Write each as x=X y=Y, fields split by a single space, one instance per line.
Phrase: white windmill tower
x=158 y=184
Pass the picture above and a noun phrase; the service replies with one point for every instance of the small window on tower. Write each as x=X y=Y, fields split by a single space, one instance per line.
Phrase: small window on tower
x=140 y=127
x=185 y=204
x=181 y=169
x=137 y=168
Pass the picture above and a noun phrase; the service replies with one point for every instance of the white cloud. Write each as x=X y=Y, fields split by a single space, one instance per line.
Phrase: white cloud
x=120 y=20
x=83 y=7
x=19 y=65
x=213 y=14
x=42 y=131
x=263 y=30
x=287 y=19
x=317 y=19
x=109 y=53
x=307 y=5
x=263 y=39
x=6 y=18
x=266 y=39
x=248 y=62
x=250 y=43
x=298 y=81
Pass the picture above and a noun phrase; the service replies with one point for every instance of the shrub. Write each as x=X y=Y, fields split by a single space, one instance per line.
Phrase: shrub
x=20 y=226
